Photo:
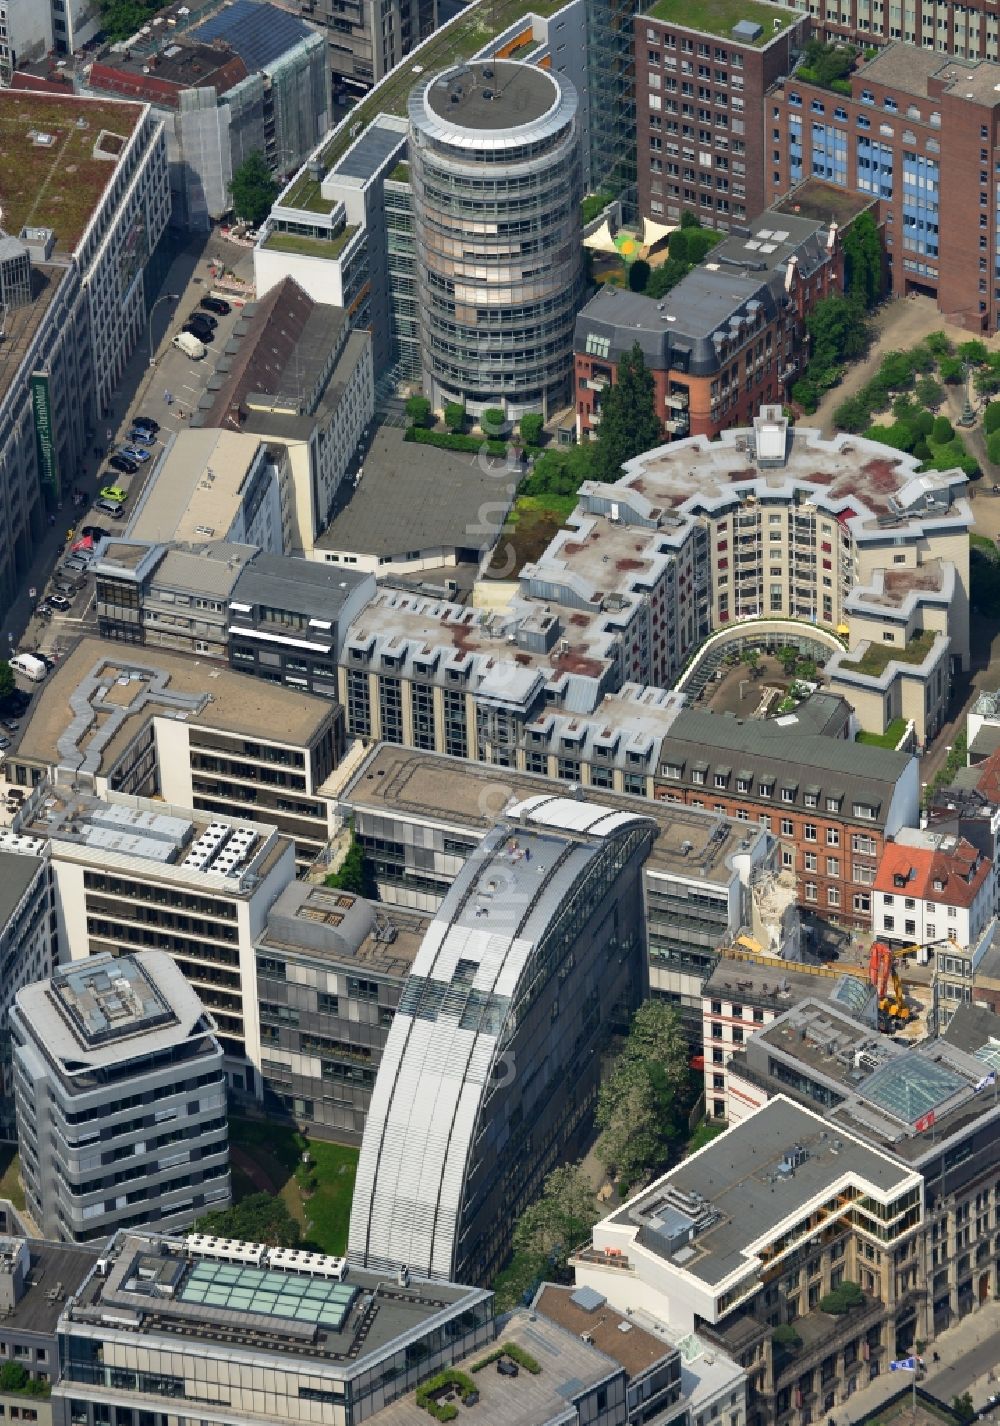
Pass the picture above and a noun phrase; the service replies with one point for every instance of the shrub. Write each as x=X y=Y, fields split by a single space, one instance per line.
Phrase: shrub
x=929 y=392
x=514 y=1352
x=785 y=1335
x=454 y=417
x=896 y=370
x=13 y=1377
x=922 y=450
x=842 y=1299
x=492 y=422
x=449 y=1377
x=952 y=370
x=852 y=415
x=991 y=418
x=938 y=344
x=530 y=427
x=638 y=275
x=418 y=409
x=942 y=431
x=804 y=394
x=451 y=441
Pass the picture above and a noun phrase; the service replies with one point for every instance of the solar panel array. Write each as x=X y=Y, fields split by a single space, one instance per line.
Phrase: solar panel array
x=258 y=33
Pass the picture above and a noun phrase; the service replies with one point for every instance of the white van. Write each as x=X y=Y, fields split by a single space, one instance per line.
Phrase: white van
x=189 y=344
x=30 y=666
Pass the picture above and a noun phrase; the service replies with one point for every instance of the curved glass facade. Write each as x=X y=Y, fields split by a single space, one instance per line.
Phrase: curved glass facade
x=497 y=182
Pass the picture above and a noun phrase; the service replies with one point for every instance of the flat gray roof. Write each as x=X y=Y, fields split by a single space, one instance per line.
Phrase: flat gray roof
x=740 y=1179
x=369 y=153
x=492 y=94
x=51 y=1263
x=305 y=586
x=17 y=872
x=415 y=497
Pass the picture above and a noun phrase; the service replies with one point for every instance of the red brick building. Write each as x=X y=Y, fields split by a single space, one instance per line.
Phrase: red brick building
x=728 y=338
x=700 y=110
x=920 y=134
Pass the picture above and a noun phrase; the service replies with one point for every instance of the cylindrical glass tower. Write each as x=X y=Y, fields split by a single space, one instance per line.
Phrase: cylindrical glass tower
x=496 y=177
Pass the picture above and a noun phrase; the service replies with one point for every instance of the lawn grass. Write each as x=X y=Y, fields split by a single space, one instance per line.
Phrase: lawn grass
x=304 y=246
x=323 y=1216
x=888 y=739
x=706 y=1131
x=10 y=1178
x=984 y=545
x=717 y=17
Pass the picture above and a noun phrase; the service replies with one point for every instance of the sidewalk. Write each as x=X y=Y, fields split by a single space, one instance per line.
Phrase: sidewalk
x=957 y=1348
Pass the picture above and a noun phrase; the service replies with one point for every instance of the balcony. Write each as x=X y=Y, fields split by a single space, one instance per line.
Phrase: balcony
x=823 y=1336
x=596 y=383
x=678 y=426
x=678 y=400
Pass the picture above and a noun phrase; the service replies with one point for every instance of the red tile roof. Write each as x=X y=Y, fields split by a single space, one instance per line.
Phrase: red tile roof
x=988 y=782
x=959 y=873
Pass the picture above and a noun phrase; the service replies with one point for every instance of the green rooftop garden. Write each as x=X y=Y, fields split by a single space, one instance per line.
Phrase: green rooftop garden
x=306 y=246
x=717 y=17
x=877 y=657
x=306 y=193
x=401 y=173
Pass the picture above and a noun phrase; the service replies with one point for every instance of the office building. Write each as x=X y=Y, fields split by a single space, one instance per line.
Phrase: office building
x=31 y=31
x=297 y=376
x=154 y=723
x=344 y=226
x=130 y=873
x=918 y=131
x=493 y=1059
x=496 y=322
x=729 y=337
x=121 y=1099
x=699 y=1248
x=249 y=78
x=276 y=1333
x=28 y=949
x=701 y=107
x=364 y=41
x=420 y=817
x=168 y=596
x=965 y=975
x=211 y=485
x=85 y=207
x=36 y=1278
x=931 y=886
x=288 y=618
x=331 y=968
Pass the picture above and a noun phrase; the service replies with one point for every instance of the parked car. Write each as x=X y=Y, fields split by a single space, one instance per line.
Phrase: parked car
x=74 y=564
x=141 y=436
x=146 y=423
x=124 y=465
x=48 y=662
x=59 y=601
x=95 y=532
x=110 y=507
x=199 y=332
x=197 y=316
x=11 y=724
x=134 y=453
x=115 y=493
x=70 y=587
x=16 y=703
x=216 y=305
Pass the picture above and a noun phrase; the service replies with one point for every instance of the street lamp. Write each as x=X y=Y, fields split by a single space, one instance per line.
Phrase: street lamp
x=167 y=297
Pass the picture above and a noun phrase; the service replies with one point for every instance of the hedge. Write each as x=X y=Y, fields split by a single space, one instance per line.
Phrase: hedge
x=449 y=1377
x=452 y=441
x=516 y=1354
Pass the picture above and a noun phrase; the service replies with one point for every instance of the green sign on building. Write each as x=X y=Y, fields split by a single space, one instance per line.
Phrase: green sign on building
x=41 y=408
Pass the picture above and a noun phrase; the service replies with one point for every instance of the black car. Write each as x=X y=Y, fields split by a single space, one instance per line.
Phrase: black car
x=146 y=423
x=197 y=316
x=216 y=305
x=204 y=334
x=94 y=532
x=15 y=704
x=122 y=464
x=49 y=663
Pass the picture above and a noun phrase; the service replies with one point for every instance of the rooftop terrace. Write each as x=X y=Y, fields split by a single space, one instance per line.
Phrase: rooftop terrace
x=56 y=167
x=877 y=657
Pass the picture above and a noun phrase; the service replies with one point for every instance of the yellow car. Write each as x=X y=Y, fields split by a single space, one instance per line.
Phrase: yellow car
x=114 y=492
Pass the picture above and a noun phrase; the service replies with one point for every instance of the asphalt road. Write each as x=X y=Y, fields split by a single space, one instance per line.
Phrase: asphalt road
x=947 y=1382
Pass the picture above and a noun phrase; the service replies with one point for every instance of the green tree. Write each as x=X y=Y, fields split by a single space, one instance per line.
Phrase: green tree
x=852 y=415
x=896 y=370
x=454 y=416
x=938 y=343
x=638 y=275
x=689 y=219
x=259 y=1218
x=964 y=1407
x=516 y=1284
x=863 y=261
x=991 y=418
x=419 y=411
x=643 y=1102
x=120 y=19
x=929 y=393
x=943 y=431
x=952 y=370
x=13 y=1377
x=531 y=426
x=629 y=423
x=7 y=684
x=355 y=873
x=492 y=422
x=252 y=189
x=560 y=1219
x=976 y=353
x=839 y=333
x=842 y=1299
x=665 y=277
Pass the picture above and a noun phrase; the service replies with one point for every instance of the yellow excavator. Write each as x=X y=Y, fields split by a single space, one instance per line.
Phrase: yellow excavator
x=882 y=973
